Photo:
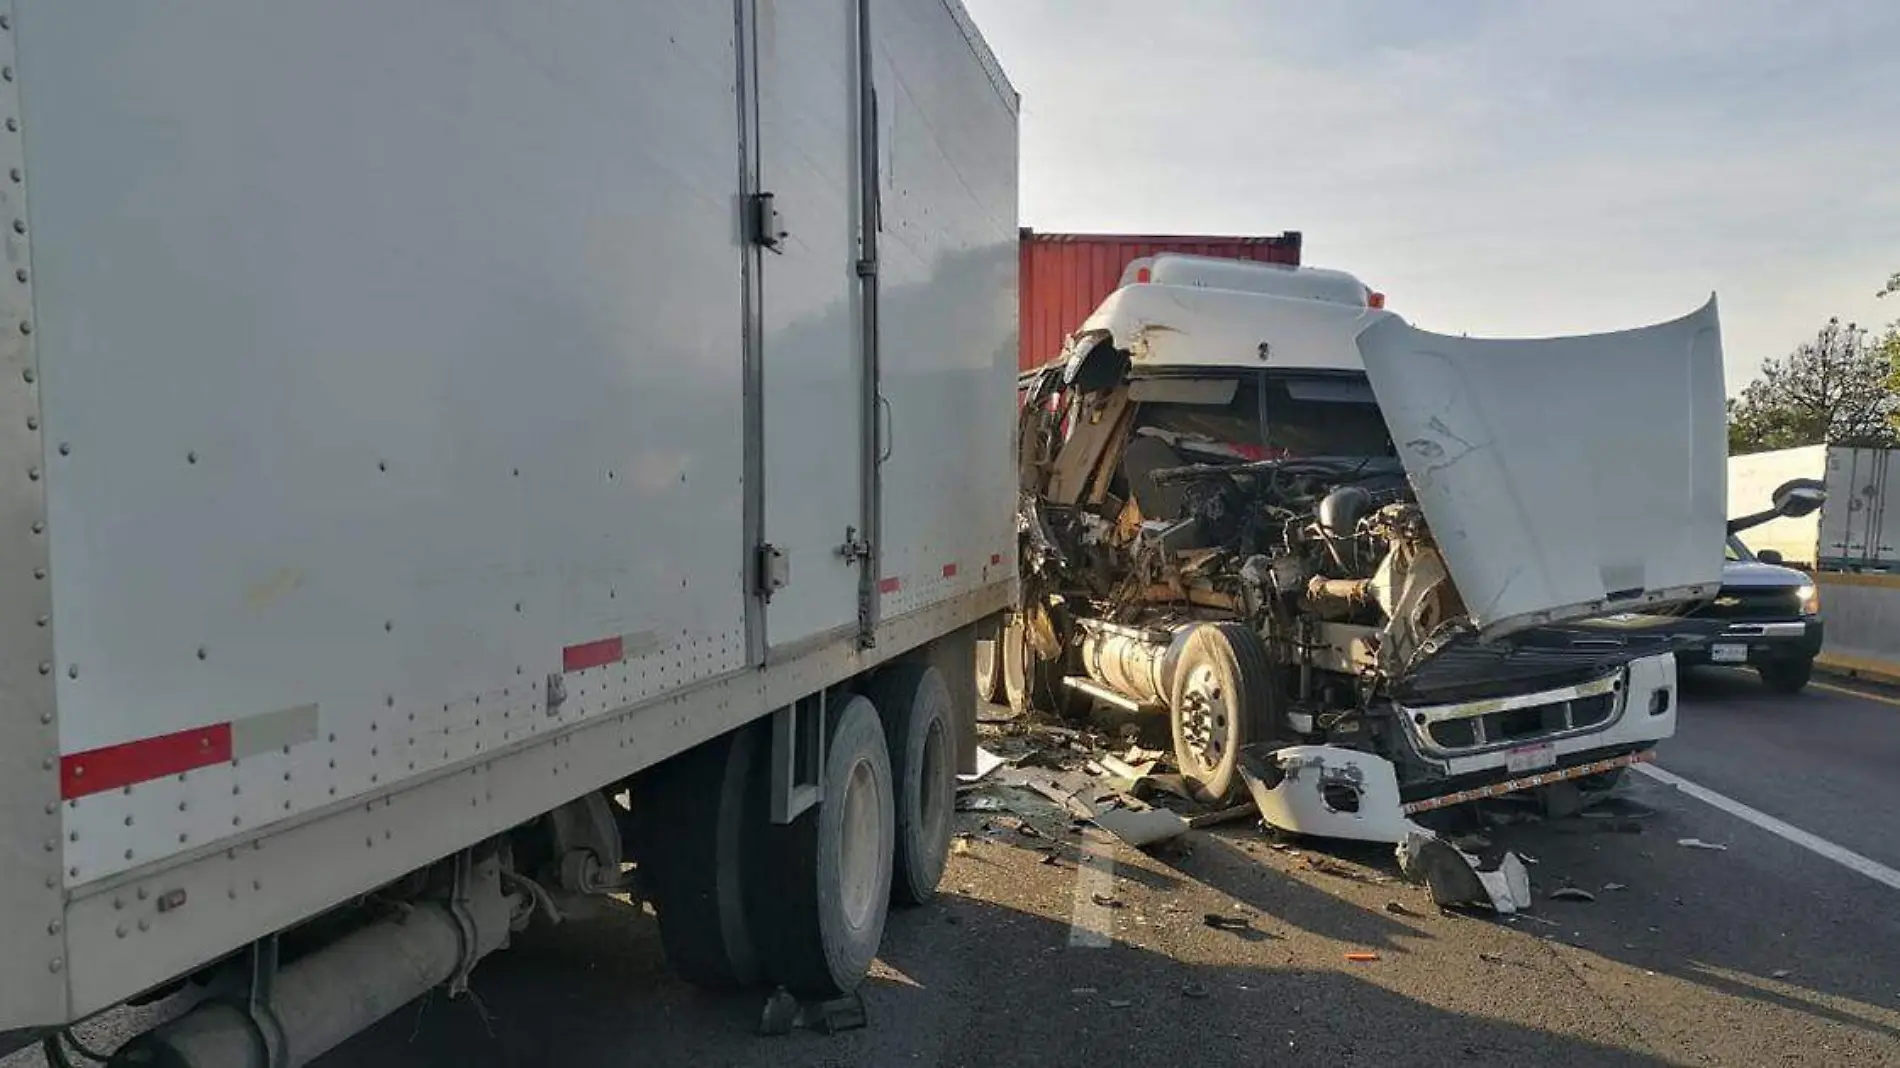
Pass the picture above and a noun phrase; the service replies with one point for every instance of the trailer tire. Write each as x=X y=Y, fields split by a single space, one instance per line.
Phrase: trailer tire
x=914 y=702
x=1223 y=699
x=1033 y=684
x=989 y=661
x=823 y=916
x=696 y=823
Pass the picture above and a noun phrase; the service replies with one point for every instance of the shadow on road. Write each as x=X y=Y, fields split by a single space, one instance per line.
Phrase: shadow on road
x=963 y=983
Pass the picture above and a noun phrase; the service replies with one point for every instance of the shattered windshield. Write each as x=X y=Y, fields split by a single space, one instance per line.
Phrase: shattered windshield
x=1263 y=416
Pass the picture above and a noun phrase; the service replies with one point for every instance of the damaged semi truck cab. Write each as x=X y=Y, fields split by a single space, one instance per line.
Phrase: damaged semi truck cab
x=1365 y=570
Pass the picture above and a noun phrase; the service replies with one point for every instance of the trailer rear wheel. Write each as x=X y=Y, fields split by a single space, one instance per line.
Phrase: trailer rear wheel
x=1223 y=699
x=696 y=823
x=915 y=704
x=823 y=917
x=989 y=661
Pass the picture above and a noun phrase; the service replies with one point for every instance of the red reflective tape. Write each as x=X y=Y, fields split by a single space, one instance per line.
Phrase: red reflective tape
x=113 y=766
x=890 y=585
x=949 y=571
x=592 y=654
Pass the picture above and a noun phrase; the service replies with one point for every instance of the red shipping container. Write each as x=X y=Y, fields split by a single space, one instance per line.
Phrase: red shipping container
x=1064 y=276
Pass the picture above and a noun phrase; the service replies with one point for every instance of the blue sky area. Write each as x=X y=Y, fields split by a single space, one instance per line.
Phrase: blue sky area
x=1496 y=168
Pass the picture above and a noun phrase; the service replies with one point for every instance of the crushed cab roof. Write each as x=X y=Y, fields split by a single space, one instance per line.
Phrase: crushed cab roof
x=1159 y=324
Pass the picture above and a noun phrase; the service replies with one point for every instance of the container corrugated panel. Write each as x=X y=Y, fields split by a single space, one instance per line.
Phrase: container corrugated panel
x=1064 y=276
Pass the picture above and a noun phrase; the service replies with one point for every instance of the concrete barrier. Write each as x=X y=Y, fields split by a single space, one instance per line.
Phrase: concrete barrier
x=1862 y=613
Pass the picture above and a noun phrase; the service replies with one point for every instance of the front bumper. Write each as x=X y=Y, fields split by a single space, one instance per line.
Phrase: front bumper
x=1765 y=641
x=1549 y=730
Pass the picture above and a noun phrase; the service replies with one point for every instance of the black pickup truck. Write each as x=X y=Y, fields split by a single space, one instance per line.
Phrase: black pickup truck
x=1774 y=616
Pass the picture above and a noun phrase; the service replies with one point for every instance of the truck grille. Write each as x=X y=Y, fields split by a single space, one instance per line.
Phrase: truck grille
x=1744 y=603
x=1523 y=724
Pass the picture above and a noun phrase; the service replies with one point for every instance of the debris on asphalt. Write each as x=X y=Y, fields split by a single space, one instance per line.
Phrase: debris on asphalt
x=1141 y=827
x=1491 y=958
x=1119 y=1003
x=1226 y=923
x=1697 y=843
x=783 y=1013
x=960 y=845
x=1457 y=877
x=1194 y=990
x=1572 y=893
x=986 y=762
x=1329 y=866
x=1400 y=908
x=1225 y=815
x=1615 y=886
x=1780 y=973
x=981 y=803
x=1361 y=957
x=1107 y=902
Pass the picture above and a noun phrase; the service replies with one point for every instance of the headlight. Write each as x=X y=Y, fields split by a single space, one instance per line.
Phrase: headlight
x=1810 y=600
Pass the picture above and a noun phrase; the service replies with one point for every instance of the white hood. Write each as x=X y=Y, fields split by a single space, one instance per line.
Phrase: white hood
x=1563 y=478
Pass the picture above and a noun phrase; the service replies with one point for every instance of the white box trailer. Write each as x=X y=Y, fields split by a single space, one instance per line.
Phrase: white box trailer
x=419 y=430
x=1857 y=529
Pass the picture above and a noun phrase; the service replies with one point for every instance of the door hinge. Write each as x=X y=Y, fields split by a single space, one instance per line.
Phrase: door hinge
x=767 y=226
x=775 y=570
x=855 y=550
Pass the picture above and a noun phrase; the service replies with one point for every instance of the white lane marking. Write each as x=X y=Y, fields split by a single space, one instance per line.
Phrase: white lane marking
x=1091 y=924
x=1841 y=855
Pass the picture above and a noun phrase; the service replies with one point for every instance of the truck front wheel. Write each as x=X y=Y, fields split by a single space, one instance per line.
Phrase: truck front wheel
x=1223 y=699
x=1786 y=676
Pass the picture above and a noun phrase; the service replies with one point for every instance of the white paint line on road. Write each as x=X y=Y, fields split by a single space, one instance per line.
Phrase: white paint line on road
x=1091 y=923
x=1841 y=855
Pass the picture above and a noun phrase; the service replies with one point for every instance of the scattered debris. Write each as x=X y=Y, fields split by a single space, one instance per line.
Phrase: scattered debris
x=986 y=762
x=1194 y=990
x=1107 y=902
x=1329 y=866
x=1697 y=843
x=1118 y=1003
x=1780 y=973
x=1615 y=886
x=1456 y=878
x=1491 y=958
x=1572 y=893
x=1225 y=815
x=1360 y=957
x=960 y=845
x=1400 y=908
x=1226 y=923
x=1141 y=827
x=783 y=1013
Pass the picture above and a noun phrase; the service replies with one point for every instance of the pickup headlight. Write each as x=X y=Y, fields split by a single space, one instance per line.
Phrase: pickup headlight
x=1810 y=599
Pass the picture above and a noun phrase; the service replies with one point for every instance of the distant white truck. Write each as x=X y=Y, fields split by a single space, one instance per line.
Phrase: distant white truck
x=453 y=463
x=1856 y=529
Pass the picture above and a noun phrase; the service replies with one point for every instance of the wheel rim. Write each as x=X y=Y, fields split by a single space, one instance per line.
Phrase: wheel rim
x=986 y=657
x=858 y=854
x=1205 y=717
x=932 y=812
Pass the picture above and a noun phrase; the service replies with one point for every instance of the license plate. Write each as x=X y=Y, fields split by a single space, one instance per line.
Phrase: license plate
x=1728 y=653
x=1530 y=757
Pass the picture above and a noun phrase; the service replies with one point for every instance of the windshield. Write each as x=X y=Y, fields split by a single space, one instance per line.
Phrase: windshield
x=1262 y=416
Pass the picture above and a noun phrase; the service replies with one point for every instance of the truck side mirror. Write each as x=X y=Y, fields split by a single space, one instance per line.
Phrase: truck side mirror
x=1768 y=556
x=1798 y=497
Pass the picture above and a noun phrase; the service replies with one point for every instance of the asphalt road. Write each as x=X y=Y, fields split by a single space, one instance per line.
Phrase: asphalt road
x=1765 y=952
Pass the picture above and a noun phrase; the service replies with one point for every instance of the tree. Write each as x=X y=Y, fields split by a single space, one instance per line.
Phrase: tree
x=1833 y=390
x=1889 y=344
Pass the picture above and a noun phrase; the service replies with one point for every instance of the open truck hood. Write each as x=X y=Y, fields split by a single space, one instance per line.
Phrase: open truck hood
x=1563 y=478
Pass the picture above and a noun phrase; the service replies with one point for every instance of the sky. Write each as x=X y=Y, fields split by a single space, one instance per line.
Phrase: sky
x=1497 y=169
